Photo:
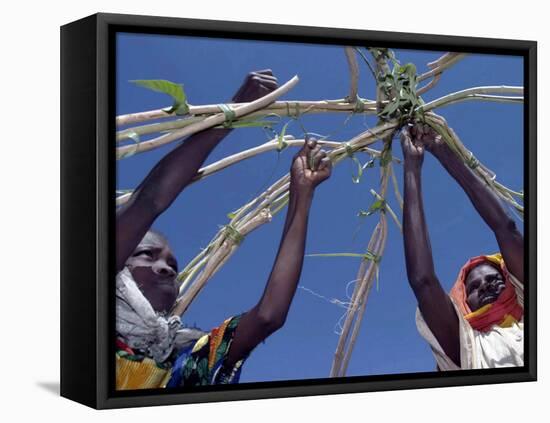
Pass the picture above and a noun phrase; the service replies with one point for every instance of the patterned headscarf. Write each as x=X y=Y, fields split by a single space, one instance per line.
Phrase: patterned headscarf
x=140 y=327
x=503 y=312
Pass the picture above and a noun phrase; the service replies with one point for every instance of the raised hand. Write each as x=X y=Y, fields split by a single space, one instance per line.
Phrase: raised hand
x=425 y=135
x=256 y=84
x=413 y=149
x=310 y=166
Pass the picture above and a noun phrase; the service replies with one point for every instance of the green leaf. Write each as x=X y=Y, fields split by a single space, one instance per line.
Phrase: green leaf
x=180 y=106
x=409 y=69
x=369 y=164
x=281 y=144
x=390 y=109
x=376 y=206
x=357 y=178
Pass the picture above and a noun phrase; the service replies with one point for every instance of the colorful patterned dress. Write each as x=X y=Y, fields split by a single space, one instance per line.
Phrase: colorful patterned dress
x=203 y=363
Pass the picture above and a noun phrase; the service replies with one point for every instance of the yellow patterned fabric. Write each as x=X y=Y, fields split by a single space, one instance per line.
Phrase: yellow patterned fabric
x=201 y=363
x=144 y=374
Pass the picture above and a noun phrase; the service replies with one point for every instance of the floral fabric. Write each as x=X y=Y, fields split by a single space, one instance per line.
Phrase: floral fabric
x=202 y=363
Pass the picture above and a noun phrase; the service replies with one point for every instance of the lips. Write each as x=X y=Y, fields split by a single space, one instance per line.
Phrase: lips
x=489 y=298
x=166 y=282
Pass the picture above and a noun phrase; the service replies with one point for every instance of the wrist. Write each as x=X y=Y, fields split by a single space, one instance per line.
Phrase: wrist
x=412 y=166
x=302 y=192
x=441 y=151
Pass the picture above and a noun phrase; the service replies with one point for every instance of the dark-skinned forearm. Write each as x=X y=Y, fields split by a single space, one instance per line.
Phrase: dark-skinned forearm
x=160 y=188
x=418 y=251
x=433 y=302
x=489 y=207
x=285 y=274
x=270 y=313
x=176 y=170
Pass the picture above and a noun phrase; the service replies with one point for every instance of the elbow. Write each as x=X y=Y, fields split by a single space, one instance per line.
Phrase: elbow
x=506 y=225
x=270 y=321
x=151 y=202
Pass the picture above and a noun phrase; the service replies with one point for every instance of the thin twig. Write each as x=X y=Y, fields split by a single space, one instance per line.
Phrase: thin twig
x=450 y=60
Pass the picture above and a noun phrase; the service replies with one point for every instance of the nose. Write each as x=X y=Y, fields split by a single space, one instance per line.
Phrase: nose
x=160 y=267
x=487 y=286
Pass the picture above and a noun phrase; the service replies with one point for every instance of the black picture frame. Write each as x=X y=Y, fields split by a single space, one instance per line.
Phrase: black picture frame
x=87 y=208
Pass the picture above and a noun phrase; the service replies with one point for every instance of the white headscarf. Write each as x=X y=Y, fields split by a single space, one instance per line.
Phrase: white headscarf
x=139 y=326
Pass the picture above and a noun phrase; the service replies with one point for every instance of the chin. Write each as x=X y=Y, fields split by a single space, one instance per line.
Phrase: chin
x=163 y=308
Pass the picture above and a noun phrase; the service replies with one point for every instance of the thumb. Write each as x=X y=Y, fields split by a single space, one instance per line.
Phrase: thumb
x=405 y=133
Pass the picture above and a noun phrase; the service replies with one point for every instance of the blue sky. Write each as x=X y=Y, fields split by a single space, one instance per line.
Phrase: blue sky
x=212 y=70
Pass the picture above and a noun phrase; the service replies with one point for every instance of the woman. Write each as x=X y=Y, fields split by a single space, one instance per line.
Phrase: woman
x=154 y=350
x=480 y=324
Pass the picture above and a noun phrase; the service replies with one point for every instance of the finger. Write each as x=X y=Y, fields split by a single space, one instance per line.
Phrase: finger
x=262 y=80
x=405 y=134
x=419 y=131
x=265 y=77
x=311 y=142
x=269 y=84
x=325 y=164
x=426 y=129
x=266 y=89
x=264 y=71
x=311 y=155
x=319 y=155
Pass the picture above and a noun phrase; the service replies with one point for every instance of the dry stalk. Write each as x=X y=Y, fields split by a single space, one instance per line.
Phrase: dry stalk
x=476 y=93
x=365 y=277
x=452 y=139
x=216 y=260
x=376 y=246
x=247 y=154
x=354 y=73
x=198 y=113
x=246 y=219
x=437 y=67
x=208 y=122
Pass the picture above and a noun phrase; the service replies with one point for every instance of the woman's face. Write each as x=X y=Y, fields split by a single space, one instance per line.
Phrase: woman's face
x=484 y=284
x=154 y=269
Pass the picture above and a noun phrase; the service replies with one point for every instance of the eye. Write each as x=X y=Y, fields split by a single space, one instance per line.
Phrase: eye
x=473 y=286
x=495 y=278
x=146 y=253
